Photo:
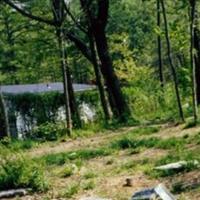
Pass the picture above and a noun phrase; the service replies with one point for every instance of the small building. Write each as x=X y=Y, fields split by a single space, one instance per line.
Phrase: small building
x=33 y=104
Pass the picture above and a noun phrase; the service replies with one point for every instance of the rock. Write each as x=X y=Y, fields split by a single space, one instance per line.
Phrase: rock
x=177 y=165
x=128 y=182
x=159 y=192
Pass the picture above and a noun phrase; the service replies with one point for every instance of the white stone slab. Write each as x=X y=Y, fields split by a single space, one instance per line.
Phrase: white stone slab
x=176 y=165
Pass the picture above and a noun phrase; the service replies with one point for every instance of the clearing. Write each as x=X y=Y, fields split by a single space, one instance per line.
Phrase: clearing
x=99 y=165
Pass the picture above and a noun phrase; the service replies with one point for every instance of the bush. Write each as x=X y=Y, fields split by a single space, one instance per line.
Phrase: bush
x=49 y=132
x=22 y=173
x=17 y=145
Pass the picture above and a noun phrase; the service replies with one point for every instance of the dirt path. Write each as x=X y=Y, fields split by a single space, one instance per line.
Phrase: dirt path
x=165 y=132
x=79 y=143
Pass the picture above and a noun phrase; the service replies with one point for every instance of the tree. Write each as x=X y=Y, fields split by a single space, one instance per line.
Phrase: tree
x=57 y=22
x=173 y=70
x=192 y=60
x=4 y=127
x=159 y=45
x=98 y=26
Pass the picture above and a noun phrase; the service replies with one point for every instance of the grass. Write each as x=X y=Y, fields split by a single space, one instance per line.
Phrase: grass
x=22 y=173
x=71 y=190
x=152 y=142
x=88 y=185
x=67 y=171
x=18 y=145
x=85 y=154
x=175 y=156
x=89 y=175
x=71 y=174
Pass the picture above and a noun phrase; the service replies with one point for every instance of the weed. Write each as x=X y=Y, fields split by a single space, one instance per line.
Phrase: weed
x=89 y=175
x=85 y=154
x=55 y=159
x=146 y=130
x=22 y=173
x=68 y=171
x=128 y=142
x=71 y=190
x=89 y=185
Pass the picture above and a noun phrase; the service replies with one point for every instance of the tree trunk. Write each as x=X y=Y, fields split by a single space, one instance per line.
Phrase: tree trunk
x=160 y=46
x=100 y=85
x=192 y=61
x=65 y=81
x=73 y=104
x=197 y=61
x=4 y=126
x=169 y=53
x=110 y=77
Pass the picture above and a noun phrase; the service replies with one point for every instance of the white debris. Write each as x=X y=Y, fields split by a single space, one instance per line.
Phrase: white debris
x=159 y=192
x=13 y=193
x=177 y=165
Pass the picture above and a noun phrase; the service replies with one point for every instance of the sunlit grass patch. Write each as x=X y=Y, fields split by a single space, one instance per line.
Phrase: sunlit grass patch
x=85 y=154
x=22 y=173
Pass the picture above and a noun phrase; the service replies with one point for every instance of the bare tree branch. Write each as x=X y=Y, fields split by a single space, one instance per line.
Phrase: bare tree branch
x=29 y=15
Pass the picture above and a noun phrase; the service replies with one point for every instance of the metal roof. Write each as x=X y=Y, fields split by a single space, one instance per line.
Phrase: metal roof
x=42 y=87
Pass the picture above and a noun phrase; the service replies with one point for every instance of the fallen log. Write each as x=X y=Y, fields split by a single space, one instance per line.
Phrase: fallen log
x=13 y=193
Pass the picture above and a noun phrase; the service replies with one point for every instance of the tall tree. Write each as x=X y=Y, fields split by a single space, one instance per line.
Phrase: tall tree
x=97 y=14
x=4 y=127
x=197 y=60
x=192 y=60
x=90 y=53
x=173 y=69
x=160 y=63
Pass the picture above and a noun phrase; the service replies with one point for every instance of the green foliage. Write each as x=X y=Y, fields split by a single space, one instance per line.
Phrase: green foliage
x=85 y=154
x=49 y=132
x=145 y=130
x=152 y=142
x=17 y=145
x=89 y=175
x=22 y=173
x=42 y=107
x=67 y=171
x=126 y=143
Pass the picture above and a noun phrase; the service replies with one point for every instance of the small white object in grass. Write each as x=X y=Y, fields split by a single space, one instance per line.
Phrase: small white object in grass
x=177 y=165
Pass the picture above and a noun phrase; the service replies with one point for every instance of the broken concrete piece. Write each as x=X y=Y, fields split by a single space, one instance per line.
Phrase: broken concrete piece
x=159 y=192
x=177 y=165
x=13 y=193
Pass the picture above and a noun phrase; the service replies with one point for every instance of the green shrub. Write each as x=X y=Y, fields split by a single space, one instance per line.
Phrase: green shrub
x=17 y=145
x=22 y=173
x=49 y=132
